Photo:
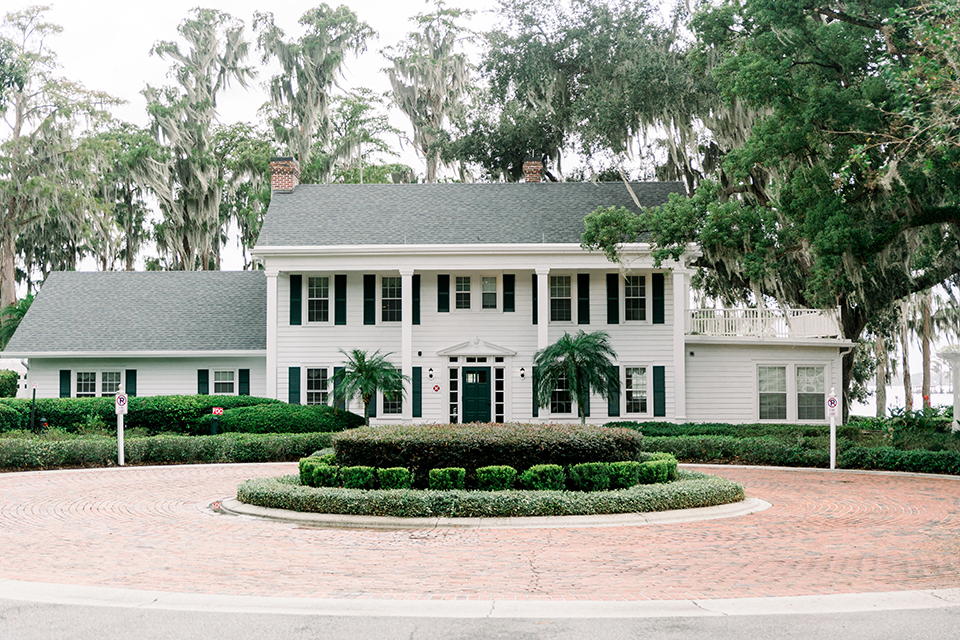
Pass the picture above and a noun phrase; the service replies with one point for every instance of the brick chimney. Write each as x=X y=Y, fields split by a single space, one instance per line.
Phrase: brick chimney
x=284 y=174
x=532 y=170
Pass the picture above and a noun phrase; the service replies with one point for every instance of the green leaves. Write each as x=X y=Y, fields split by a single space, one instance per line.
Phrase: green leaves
x=583 y=362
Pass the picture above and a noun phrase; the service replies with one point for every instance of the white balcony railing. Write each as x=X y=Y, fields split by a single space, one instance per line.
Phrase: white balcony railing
x=763 y=323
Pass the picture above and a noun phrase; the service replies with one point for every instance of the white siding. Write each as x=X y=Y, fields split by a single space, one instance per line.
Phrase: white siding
x=155 y=376
x=721 y=379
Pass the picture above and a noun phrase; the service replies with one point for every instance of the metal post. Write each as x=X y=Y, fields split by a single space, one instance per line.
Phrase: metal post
x=33 y=410
x=832 y=408
x=120 y=439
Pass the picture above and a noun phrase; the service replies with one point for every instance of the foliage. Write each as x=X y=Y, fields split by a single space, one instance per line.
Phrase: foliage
x=281 y=417
x=315 y=472
x=447 y=479
x=690 y=491
x=429 y=446
x=32 y=453
x=429 y=78
x=10 y=318
x=9 y=384
x=362 y=375
x=544 y=477
x=496 y=478
x=581 y=362
x=186 y=180
x=589 y=476
x=395 y=478
x=300 y=94
x=359 y=477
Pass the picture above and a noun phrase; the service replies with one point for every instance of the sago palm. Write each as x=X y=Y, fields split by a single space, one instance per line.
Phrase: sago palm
x=585 y=361
x=362 y=375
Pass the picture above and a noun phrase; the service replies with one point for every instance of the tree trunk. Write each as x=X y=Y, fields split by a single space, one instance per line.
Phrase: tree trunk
x=925 y=345
x=907 y=384
x=8 y=273
x=852 y=322
x=881 y=352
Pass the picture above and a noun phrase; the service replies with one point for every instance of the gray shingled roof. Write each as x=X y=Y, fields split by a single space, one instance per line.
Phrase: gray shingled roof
x=126 y=311
x=397 y=214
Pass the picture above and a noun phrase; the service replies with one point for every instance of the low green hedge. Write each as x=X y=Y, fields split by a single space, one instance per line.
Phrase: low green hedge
x=689 y=491
x=760 y=430
x=761 y=451
x=282 y=418
x=156 y=414
x=19 y=454
x=521 y=446
x=890 y=459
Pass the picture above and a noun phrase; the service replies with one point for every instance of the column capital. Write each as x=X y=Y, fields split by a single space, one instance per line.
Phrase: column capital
x=406 y=271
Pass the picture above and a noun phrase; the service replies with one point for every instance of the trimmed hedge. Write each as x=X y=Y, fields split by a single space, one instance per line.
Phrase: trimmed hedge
x=762 y=451
x=448 y=479
x=496 y=478
x=890 y=459
x=22 y=454
x=690 y=491
x=9 y=382
x=521 y=446
x=781 y=431
x=282 y=418
x=544 y=477
x=156 y=414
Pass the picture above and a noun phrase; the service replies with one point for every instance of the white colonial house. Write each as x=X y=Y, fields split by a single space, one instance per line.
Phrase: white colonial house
x=461 y=284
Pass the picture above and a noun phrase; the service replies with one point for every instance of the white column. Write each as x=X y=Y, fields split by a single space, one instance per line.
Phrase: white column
x=543 y=308
x=953 y=357
x=272 y=333
x=679 y=346
x=406 y=340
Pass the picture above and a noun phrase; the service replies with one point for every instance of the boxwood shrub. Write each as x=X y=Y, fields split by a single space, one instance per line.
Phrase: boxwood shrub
x=448 y=478
x=282 y=418
x=544 y=477
x=496 y=478
x=589 y=476
x=521 y=446
x=395 y=478
x=359 y=477
x=689 y=491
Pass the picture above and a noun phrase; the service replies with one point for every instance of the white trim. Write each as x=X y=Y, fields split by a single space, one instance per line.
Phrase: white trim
x=212 y=382
x=771 y=342
x=272 y=371
x=648 y=387
x=143 y=354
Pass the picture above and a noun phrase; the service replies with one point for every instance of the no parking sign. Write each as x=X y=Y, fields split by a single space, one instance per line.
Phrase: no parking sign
x=833 y=407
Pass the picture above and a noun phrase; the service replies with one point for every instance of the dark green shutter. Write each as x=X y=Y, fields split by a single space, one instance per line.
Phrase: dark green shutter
x=443 y=293
x=416 y=298
x=64 y=383
x=373 y=405
x=613 y=298
x=586 y=403
x=203 y=382
x=583 y=298
x=417 y=384
x=613 y=396
x=533 y=379
x=369 y=299
x=293 y=385
x=130 y=383
x=658 y=298
x=536 y=303
x=659 y=392
x=337 y=378
x=296 y=299
x=340 y=299
x=244 y=387
x=509 y=292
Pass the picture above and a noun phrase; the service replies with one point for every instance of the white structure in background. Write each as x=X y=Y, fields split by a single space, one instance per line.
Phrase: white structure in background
x=952 y=355
x=462 y=284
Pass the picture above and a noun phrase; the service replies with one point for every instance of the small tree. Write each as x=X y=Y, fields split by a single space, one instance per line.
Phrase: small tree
x=362 y=375
x=585 y=361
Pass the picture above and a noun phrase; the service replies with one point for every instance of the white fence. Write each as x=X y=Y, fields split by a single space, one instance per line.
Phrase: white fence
x=772 y=323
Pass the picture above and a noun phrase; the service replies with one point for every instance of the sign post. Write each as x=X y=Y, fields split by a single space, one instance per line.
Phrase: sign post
x=217 y=412
x=121 y=406
x=833 y=410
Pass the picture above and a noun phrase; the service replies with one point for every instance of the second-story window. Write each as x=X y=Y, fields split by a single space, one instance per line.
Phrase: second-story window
x=463 y=292
x=488 y=294
x=561 y=308
x=390 y=299
x=635 y=298
x=318 y=299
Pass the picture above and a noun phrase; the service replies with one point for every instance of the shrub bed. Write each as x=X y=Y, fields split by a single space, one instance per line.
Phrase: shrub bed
x=282 y=418
x=762 y=451
x=521 y=446
x=689 y=491
x=23 y=454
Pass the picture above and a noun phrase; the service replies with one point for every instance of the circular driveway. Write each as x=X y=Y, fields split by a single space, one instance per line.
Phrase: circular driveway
x=151 y=528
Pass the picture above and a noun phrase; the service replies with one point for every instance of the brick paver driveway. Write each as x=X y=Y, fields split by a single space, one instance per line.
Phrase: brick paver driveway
x=151 y=528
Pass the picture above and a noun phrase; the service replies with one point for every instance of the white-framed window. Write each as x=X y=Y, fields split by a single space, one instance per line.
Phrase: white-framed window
x=560 y=400
x=317 y=391
x=561 y=299
x=462 y=292
x=453 y=379
x=224 y=382
x=811 y=389
x=318 y=299
x=488 y=292
x=392 y=406
x=635 y=298
x=110 y=383
x=635 y=389
x=86 y=384
x=391 y=298
x=772 y=386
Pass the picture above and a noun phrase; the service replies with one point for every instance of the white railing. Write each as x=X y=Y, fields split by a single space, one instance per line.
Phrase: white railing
x=763 y=323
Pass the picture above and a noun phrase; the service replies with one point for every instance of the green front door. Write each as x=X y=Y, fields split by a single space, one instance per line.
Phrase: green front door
x=476 y=394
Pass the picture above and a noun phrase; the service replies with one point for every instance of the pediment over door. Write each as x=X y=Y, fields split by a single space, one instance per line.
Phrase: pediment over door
x=476 y=347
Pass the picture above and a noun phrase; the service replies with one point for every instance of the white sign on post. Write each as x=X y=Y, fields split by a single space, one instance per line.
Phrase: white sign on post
x=121 y=406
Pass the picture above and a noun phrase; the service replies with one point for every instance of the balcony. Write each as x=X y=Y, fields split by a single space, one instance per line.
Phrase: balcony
x=763 y=323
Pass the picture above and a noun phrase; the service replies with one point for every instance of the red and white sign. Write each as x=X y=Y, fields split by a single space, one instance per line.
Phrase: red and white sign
x=121 y=404
x=218 y=411
x=436 y=387
x=833 y=408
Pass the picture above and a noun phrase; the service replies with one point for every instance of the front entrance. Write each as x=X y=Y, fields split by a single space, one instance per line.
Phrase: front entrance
x=476 y=394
